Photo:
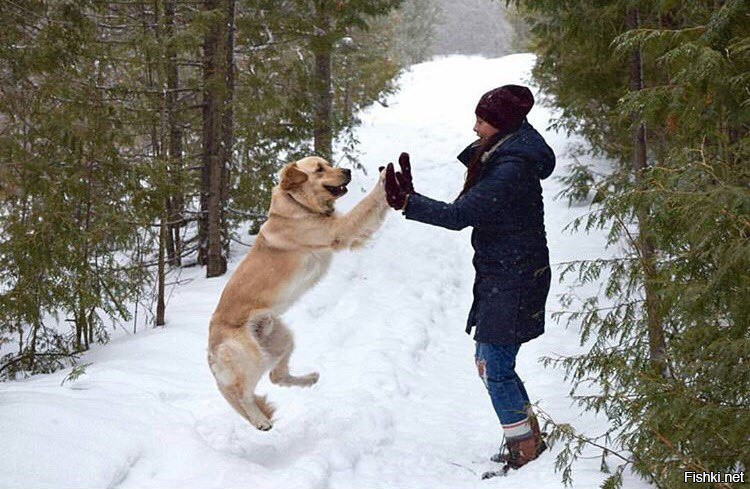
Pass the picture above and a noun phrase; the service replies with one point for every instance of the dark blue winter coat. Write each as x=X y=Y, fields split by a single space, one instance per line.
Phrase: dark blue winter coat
x=511 y=258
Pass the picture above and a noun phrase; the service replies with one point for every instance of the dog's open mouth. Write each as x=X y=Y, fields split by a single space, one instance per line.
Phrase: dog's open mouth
x=336 y=191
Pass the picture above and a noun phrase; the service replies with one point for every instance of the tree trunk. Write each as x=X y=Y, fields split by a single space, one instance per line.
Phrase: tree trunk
x=210 y=45
x=322 y=47
x=175 y=201
x=656 y=340
x=215 y=71
x=83 y=328
x=227 y=121
x=32 y=345
x=90 y=322
x=160 y=302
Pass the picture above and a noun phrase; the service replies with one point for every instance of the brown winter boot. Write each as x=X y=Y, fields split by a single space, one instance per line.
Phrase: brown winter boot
x=503 y=456
x=521 y=452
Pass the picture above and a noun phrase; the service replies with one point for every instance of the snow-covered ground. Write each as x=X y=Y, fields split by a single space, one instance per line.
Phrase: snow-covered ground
x=399 y=403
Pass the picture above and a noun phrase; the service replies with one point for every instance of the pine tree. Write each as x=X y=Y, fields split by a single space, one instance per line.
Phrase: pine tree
x=411 y=30
x=276 y=100
x=662 y=90
x=68 y=226
x=135 y=136
x=218 y=93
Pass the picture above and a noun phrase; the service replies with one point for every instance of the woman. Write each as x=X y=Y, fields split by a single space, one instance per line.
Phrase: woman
x=502 y=200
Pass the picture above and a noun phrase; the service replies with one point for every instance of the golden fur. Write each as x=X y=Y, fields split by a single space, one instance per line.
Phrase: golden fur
x=290 y=254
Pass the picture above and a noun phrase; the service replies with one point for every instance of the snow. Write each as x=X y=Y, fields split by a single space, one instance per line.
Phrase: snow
x=398 y=404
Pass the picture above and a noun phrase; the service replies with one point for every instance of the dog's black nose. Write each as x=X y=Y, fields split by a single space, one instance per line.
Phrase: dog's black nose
x=347 y=172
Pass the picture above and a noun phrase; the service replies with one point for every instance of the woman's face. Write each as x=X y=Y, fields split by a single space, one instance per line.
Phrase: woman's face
x=484 y=129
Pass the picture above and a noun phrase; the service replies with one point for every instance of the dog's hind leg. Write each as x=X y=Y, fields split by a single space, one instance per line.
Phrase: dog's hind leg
x=258 y=410
x=237 y=378
x=280 y=344
x=281 y=376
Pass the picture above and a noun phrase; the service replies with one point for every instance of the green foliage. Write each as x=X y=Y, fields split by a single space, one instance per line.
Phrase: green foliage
x=681 y=227
x=101 y=141
x=67 y=228
x=410 y=31
x=75 y=373
x=276 y=101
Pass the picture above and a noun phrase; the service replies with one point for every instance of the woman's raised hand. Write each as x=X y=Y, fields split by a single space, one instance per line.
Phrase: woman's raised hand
x=398 y=185
x=404 y=176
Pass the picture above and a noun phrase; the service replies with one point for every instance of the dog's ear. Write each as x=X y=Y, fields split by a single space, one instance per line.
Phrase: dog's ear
x=292 y=177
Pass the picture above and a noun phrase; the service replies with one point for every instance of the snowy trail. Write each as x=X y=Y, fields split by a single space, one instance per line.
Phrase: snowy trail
x=399 y=403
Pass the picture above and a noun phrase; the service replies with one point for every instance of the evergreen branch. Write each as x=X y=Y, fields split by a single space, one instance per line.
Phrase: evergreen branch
x=679 y=453
x=249 y=215
x=37 y=15
x=25 y=26
x=148 y=4
x=238 y=241
x=631 y=239
x=638 y=38
x=150 y=264
x=178 y=222
x=591 y=260
x=722 y=17
x=30 y=355
x=254 y=48
x=140 y=91
x=600 y=309
x=571 y=433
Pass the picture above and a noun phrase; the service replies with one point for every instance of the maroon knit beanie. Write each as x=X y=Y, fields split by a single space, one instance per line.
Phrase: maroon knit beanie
x=505 y=107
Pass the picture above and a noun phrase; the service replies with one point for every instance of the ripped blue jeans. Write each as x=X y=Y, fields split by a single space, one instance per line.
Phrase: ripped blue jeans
x=496 y=366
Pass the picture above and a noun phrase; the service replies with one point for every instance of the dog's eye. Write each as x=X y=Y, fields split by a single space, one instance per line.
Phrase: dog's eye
x=320 y=169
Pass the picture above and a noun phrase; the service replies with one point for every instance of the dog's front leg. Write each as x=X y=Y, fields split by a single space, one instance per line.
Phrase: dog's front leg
x=355 y=227
x=365 y=234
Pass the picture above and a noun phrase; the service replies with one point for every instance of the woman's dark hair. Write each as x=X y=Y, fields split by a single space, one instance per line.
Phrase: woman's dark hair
x=476 y=164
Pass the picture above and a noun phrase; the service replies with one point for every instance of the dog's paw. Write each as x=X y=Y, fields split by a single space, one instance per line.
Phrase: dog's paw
x=264 y=425
x=309 y=379
x=381 y=177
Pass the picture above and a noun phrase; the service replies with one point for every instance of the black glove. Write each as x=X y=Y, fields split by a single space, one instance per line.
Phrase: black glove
x=404 y=176
x=394 y=194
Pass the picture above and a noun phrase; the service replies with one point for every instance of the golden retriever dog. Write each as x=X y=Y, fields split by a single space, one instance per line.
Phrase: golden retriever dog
x=290 y=254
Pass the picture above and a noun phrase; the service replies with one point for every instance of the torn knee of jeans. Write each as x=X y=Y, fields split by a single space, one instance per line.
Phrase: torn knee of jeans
x=482 y=370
